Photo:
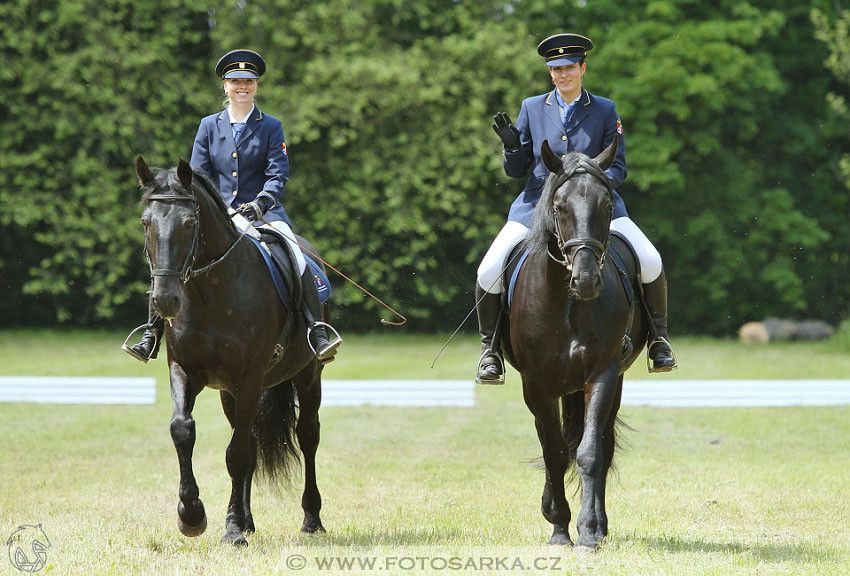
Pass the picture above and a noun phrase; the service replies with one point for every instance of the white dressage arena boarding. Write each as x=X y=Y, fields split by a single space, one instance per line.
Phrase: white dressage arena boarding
x=461 y=393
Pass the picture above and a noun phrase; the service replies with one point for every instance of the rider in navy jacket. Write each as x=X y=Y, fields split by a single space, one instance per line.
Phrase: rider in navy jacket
x=591 y=126
x=243 y=152
x=571 y=119
x=257 y=161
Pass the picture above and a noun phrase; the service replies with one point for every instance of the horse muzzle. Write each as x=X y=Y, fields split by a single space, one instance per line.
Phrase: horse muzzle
x=586 y=282
x=166 y=296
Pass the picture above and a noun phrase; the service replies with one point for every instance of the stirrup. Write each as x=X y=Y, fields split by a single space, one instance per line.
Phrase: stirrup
x=132 y=352
x=501 y=377
x=649 y=364
x=330 y=350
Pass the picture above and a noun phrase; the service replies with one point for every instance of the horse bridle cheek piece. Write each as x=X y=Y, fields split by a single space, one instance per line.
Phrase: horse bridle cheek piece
x=187 y=272
x=569 y=248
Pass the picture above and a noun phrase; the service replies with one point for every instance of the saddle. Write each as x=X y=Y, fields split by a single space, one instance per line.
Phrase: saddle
x=282 y=265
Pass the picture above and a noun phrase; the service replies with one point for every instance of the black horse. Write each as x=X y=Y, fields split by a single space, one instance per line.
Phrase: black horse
x=223 y=321
x=574 y=329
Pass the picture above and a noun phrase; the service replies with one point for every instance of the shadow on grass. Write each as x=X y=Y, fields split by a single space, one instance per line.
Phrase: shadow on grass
x=766 y=552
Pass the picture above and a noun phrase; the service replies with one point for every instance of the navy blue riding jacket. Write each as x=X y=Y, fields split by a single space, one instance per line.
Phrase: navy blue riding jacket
x=592 y=126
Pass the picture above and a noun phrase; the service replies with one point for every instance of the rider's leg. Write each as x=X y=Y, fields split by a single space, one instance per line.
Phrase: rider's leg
x=488 y=302
x=148 y=346
x=311 y=305
x=654 y=291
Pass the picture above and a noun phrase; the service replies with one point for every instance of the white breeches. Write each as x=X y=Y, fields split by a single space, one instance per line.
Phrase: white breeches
x=650 y=259
x=493 y=263
x=287 y=232
x=512 y=233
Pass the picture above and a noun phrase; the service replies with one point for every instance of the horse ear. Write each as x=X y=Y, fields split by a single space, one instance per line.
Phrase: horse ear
x=606 y=158
x=184 y=173
x=550 y=159
x=143 y=172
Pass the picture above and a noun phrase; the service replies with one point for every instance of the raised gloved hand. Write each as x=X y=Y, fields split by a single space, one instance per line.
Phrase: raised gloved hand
x=253 y=211
x=504 y=127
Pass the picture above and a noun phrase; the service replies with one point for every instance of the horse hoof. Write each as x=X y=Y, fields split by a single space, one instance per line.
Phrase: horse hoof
x=191 y=530
x=312 y=526
x=560 y=538
x=237 y=540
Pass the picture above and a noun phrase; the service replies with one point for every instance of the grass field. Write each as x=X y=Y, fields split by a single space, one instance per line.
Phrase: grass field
x=428 y=490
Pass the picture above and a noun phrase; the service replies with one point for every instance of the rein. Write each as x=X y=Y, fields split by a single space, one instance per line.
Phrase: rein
x=569 y=248
x=187 y=272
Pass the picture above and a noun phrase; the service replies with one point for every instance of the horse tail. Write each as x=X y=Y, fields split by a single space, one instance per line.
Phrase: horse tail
x=572 y=429
x=277 y=446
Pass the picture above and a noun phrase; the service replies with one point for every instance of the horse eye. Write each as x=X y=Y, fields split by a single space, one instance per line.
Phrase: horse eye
x=144 y=223
x=189 y=223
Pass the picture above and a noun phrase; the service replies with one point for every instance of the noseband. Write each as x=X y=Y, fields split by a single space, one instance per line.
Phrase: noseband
x=187 y=272
x=569 y=248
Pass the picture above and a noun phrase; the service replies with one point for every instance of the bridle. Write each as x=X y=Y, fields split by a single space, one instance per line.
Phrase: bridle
x=186 y=271
x=569 y=248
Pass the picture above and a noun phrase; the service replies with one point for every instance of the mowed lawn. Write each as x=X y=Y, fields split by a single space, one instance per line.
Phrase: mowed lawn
x=737 y=491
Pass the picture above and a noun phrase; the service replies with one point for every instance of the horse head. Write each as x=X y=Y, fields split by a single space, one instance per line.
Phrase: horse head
x=171 y=222
x=582 y=204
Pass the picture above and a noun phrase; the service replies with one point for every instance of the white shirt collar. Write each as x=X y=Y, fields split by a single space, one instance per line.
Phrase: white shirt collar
x=245 y=119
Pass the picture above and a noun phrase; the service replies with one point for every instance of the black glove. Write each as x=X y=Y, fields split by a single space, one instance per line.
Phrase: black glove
x=506 y=130
x=253 y=211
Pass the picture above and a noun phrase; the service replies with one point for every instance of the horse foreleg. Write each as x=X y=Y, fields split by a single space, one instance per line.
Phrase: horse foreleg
x=554 y=505
x=307 y=430
x=240 y=466
x=228 y=404
x=594 y=456
x=191 y=517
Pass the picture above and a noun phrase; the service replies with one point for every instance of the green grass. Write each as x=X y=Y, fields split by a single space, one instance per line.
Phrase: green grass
x=737 y=491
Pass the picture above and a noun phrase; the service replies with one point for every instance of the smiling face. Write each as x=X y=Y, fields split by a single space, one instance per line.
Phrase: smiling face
x=568 y=79
x=241 y=91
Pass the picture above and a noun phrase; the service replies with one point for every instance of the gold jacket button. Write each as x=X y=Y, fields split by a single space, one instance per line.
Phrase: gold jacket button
x=234 y=192
x=234 y=154
x=562 y=138
x=234 y=174
x=563 y=155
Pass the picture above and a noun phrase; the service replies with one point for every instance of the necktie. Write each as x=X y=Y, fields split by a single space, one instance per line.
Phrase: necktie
x=237 y=130
x=568 y=112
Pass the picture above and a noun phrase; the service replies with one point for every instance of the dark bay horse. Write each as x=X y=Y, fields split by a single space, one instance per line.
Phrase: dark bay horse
x=570 y=320
x=223 y=320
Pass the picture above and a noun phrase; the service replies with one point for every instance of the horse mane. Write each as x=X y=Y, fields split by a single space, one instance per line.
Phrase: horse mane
x=167 y=178
x=542 y=220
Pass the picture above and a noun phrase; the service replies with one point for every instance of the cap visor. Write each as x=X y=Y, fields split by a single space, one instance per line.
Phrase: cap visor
x=241 y=74
x=564 y=61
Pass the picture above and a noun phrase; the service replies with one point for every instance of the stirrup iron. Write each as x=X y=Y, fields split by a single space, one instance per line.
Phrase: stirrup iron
x=333 y=343
x=501 y=378
x=649 y=365
x=132 y=352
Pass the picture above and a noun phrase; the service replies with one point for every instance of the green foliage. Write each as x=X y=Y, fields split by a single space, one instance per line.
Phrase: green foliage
x=396 y=174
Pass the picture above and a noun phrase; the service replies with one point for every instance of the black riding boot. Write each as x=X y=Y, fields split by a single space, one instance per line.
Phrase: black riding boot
x=491 y=366
x=659 y=350
x=148 y=347
x=324 y=349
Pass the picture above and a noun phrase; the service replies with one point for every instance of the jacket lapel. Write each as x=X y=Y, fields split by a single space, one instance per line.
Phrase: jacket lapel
x=581 y=110
x=224 y=129
x=251 y=125
x=552 y=111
